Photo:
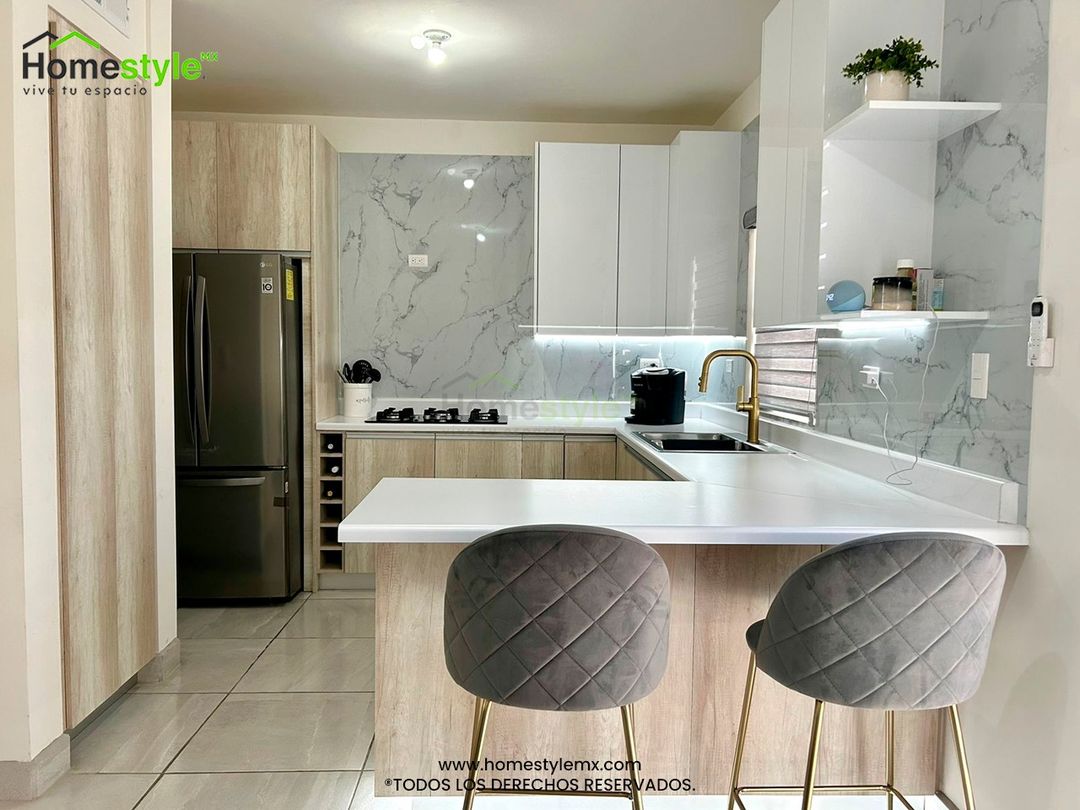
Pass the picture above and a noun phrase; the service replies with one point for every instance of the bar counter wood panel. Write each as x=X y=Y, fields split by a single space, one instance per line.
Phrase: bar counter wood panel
x=685 y=729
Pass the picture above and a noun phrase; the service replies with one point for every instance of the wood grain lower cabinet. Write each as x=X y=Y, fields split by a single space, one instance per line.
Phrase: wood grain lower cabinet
x=367 y=462
x=589 y=458
x=541 y=456
x=631 y=467
x=476 y=456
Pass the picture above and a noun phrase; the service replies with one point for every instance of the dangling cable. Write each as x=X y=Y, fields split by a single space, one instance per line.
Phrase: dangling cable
x=903 y=482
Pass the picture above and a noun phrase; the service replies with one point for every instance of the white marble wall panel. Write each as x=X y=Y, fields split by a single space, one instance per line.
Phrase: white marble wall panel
x=458 y=328
x=986 y=239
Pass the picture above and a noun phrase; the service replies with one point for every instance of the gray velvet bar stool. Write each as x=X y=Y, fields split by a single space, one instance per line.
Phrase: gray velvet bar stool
x=557 y=618
x=896 y=622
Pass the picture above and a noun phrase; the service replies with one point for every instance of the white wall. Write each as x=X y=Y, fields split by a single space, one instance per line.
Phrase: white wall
x=1023 y=727
x=445 y=137
x=31 y=693
x=743 y=110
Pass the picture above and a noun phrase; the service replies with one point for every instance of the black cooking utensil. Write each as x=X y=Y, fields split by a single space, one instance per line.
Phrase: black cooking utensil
x=375 y=375
x=343 y=378
x=346 y=373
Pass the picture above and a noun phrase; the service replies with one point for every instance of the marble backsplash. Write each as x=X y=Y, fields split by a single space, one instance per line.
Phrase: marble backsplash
x=459 y=327
x=987 y=232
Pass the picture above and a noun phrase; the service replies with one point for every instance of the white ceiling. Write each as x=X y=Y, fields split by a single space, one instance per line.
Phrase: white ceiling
x=600 y=61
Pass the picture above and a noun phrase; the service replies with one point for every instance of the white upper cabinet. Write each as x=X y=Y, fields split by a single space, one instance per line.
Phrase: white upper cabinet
x=793 y=46
x=643 y=240
x=638 y=240
x=577 y=237
x=704 y=224
x=772 y=165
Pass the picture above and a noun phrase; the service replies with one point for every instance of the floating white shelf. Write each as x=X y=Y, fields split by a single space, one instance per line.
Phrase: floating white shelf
x=910 y=120
x=874 y=317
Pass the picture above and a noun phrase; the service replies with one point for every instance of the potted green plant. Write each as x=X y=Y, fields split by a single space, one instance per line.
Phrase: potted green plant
x=888 y=73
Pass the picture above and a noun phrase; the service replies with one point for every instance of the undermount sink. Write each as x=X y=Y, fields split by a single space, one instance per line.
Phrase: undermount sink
x=698 y=443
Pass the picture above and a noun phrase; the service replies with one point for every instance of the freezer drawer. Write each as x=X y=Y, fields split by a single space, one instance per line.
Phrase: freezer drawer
x=233 y=536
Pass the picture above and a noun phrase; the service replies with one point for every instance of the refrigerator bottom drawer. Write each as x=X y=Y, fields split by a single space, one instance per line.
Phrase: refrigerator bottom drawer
x=233 y=536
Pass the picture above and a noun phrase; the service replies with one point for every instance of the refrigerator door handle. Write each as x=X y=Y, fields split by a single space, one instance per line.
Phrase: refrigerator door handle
x=247 y=481
x=208 y=354
x=201 y=360
x=188 y=350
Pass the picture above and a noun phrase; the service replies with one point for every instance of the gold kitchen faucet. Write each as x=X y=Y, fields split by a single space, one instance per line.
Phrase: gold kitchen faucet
x=751 y=407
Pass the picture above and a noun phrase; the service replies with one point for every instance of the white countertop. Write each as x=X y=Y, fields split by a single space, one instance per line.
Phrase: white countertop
x=736 y=498
x=449 y=510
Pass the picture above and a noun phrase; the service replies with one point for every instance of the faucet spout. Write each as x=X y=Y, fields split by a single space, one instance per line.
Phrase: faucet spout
x=751 y=407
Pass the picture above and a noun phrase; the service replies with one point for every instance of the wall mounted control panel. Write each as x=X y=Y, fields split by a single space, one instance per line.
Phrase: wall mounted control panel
x=1040 y=349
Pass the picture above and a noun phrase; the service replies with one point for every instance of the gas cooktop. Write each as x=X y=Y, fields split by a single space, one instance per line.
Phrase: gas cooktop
x=438 y=416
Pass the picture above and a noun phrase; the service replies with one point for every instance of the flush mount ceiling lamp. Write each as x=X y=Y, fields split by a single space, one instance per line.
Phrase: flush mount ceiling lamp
x=470 y=178
x=433 y=39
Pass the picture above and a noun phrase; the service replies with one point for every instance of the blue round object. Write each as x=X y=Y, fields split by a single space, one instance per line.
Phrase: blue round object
x=845 y=296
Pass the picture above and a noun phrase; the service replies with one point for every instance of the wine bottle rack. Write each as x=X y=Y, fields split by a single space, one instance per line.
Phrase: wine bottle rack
x=331 y=495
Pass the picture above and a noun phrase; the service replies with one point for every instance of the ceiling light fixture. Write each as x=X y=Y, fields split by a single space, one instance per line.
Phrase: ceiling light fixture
x=433 y=39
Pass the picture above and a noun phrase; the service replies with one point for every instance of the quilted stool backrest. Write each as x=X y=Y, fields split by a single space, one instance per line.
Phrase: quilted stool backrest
x=898 y=621
x=563 y=618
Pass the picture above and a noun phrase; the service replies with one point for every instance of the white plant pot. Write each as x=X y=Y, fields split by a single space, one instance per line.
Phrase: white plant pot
x=889 y=86
x=357 y=400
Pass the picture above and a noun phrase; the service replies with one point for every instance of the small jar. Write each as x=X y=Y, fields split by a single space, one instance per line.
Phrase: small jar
x=892 y=293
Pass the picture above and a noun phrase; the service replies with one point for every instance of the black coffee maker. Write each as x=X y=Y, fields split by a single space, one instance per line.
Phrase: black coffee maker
x=657 y=396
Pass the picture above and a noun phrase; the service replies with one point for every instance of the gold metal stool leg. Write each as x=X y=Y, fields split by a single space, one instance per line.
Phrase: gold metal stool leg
x=740 y=741
x=631 y=756
x=480 y=719
x=890 y=755
x=812 y=755
x=961 y=756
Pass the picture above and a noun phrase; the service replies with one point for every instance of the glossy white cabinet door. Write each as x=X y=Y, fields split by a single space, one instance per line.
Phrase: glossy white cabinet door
x=643 y=240
x=806 y=136
x=577 y=237
x=703 y=233
x=776 y=35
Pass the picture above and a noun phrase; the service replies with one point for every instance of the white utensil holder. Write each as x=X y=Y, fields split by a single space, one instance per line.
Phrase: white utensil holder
x=357 y=400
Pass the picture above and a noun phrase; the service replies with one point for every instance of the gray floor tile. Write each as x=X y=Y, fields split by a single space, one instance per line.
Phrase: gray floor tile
x=89 y=792
x=364 y=799
x=265 y=791
x=237 y=622
x=141 y=733
x=209 y=665
x=333 y=618
x=283 y=732
x=334 y=593
x=313 y=665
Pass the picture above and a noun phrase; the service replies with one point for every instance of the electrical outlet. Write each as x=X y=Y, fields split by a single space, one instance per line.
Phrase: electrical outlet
x=980 y=375
x=648 y=362
x=871 y=377
x=417 y=260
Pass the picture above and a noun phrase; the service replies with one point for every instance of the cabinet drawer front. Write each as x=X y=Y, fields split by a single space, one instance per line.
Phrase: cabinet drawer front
x=590 y=458
x=475 y=456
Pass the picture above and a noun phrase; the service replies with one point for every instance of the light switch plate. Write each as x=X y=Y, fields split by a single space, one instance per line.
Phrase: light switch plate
x=980 y=375
x=417 y=260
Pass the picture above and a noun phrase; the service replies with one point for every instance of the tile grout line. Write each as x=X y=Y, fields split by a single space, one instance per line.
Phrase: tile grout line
x=219 y=704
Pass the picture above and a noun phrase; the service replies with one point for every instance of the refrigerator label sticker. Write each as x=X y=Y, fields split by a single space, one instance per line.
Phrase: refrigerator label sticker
x=267 y=285
x=289 y=292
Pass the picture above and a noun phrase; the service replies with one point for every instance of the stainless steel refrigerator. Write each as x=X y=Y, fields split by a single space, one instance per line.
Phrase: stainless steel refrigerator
x=239 y=443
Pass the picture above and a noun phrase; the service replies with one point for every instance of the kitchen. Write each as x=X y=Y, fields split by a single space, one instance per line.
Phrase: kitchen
x=739 y=305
